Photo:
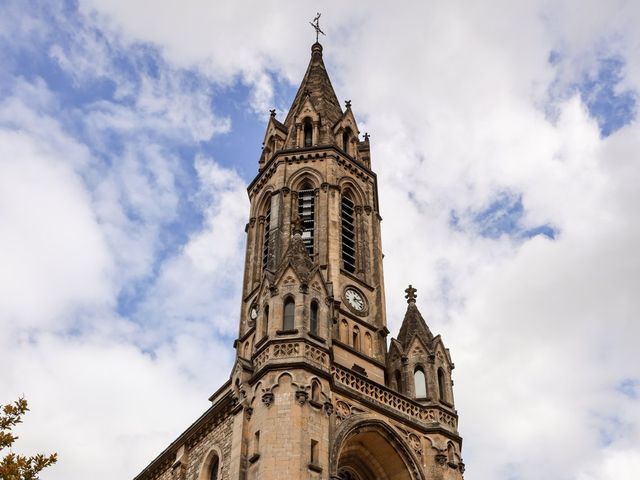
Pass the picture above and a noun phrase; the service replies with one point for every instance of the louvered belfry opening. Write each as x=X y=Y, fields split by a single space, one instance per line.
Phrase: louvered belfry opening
x=265 y=238
x=348 y=235
x=306 y=212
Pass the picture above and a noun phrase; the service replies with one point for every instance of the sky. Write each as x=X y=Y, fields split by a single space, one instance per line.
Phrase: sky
x=505 y=138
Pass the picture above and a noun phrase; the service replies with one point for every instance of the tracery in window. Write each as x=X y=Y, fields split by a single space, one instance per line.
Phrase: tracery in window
x=348 y=234
x=306 y=213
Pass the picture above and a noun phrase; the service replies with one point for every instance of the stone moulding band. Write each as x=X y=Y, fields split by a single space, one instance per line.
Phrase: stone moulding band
x=393 y=400
x=292 y=350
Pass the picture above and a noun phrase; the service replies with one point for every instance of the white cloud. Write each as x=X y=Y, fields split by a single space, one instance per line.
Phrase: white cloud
x=210 y=263
x=53 y=253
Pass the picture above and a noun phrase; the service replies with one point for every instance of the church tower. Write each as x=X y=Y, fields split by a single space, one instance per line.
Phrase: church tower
x=315 y=393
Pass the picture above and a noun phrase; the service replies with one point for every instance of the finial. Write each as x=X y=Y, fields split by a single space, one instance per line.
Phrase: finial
x=273 y=112
x=316 y=25
x=410 y=294
x=347 y=104
x=366 y=136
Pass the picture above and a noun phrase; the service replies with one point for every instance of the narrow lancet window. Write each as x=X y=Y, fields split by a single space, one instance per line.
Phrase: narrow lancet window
x=356 y=338
x=348 y=235
x=313 y=320
x=265 y=238
x=308 y=133
x=420 y=383
x=368 y=344
x=265 y=321
x=306 y=212
x=346 y=135
x=214 y=468
x=441 y=384
x=344 y=331
x=288 y=314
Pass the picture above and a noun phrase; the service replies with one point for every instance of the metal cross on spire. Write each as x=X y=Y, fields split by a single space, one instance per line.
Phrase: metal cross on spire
x=316 y=25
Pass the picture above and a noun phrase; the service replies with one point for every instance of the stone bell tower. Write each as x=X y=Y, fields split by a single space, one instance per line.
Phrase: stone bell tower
x=314 y=393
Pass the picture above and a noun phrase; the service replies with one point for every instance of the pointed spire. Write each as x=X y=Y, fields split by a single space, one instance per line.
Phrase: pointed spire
x=413 y=323
x=316 y=86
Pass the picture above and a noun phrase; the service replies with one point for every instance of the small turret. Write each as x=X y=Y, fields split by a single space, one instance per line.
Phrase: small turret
x=418 y=365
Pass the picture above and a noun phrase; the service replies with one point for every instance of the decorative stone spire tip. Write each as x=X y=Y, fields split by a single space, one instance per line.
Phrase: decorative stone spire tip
x=410 y=295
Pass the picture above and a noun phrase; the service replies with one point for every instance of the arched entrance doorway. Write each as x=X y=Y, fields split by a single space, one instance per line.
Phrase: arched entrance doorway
x=372 y=450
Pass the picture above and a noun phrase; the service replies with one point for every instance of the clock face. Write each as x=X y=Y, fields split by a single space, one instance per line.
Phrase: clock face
x=355 y=299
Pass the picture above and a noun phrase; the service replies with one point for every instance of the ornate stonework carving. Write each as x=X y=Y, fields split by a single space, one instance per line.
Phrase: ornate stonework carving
x=393 y=400
x=414 y=442
x=343 y=409
x=301 y=396
x=267 y=398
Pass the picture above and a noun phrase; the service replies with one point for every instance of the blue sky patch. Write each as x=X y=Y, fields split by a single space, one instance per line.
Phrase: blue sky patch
x=503 y=216
x=630 y=388
x=612 y=108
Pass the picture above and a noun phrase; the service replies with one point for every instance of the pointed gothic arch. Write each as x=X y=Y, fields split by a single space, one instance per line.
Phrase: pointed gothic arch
x=419 y=382
x=349 y=232
x=344 y=331
x=305 y=174
x=263 y=244
x=347 y=134
x=211 y=467
x=306 y=212
x=288 y=313
x=314 y=317
x=368 y=448
x=442 y=385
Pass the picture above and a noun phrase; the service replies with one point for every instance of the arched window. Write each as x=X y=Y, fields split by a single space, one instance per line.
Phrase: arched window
x=306 y=212
x=265 y=321
x=451 y=453
x=344 y=331
x=441 y=384
x=420 y=383
x=308 y=133
x=265 y=238
x=398 y=376
x=347 y=213
x=288 y=314
x=269 y=148
x=346 y=135
x=213 y=471
x=313 y=318
x=368 y=344
x=356 y=338
x=315 y=392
